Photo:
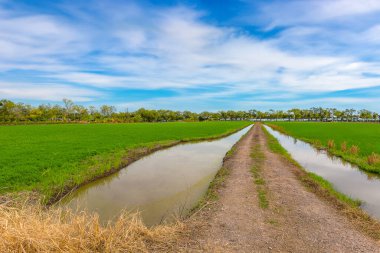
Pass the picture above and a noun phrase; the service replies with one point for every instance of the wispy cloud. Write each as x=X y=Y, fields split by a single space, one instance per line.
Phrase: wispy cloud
x=87 y=49
x=46 y=92
x=295 y=12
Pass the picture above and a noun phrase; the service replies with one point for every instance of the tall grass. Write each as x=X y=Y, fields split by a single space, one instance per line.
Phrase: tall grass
x=330 y=144
x=373 y=158
x=32 y=228
x=354 y=150
x=343 y=146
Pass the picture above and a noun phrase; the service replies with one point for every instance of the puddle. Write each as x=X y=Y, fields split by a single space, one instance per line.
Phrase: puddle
x=164 y=184
x=345 y=177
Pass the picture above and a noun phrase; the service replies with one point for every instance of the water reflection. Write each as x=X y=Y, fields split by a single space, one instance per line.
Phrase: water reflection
x=166 y=183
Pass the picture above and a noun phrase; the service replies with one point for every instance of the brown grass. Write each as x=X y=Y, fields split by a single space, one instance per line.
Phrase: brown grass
x=32 y=228
x=330 y=144
x=354 y=150
x=373 y=159
x=343 y=146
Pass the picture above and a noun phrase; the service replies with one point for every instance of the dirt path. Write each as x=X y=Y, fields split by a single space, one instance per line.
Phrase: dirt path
x=295 y=221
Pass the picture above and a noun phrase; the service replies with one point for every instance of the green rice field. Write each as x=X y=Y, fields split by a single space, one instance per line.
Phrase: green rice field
x=48 y=158
x=365 y=136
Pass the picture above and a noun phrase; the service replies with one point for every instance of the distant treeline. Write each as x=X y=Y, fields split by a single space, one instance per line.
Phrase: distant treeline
x=14 y=113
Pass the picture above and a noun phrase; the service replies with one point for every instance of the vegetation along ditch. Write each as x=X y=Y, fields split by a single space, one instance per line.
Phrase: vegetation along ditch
x=358 y=187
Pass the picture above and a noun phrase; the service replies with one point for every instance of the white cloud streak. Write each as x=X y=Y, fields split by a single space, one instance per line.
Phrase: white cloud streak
x=133 y=47
x=47 y=92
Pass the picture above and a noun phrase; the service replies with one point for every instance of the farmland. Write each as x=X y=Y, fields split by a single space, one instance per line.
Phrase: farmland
x=48 y=158
x=358 y=143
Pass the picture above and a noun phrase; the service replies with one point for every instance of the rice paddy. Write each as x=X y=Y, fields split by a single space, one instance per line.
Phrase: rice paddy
x=50 y=158
x=358 y=143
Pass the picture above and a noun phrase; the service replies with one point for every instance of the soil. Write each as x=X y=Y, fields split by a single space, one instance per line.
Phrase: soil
x=295 y=221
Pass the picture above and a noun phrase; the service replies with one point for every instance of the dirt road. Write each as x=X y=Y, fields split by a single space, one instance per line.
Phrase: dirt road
x=295 y=220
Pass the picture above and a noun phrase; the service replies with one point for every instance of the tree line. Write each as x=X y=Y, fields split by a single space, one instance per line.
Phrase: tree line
x=14 y=113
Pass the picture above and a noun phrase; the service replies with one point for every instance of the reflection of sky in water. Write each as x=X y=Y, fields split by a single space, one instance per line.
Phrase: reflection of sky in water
x=158 y=184
x=345 y=177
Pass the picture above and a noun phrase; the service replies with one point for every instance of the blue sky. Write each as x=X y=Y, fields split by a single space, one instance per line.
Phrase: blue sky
x=192 y=55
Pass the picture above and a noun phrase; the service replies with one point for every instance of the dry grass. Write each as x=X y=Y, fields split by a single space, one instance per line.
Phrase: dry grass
x=354 y=150
x=32 y=228
x=330 y=144
x=343 y=146
x=373 y=159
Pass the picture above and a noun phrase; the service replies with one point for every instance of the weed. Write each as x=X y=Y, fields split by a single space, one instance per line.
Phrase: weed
x=354 y=150
x=273 y=222
x=258 y=159
x=343 y=146
x=263 y=201
x=373 y=159
x=330 y=144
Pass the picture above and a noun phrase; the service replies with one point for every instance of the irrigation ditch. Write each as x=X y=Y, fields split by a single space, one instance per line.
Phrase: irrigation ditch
x=301 y=211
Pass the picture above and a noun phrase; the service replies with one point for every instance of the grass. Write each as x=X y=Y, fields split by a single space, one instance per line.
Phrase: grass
x=51 y=159
x=28 y=226
x=258 y=159
x=358 y=143
x=32 y=228
x=324 y=189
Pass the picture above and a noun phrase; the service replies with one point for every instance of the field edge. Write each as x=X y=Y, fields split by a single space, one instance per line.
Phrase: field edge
x=358 y=161
x=110 y=163
x=348 y=207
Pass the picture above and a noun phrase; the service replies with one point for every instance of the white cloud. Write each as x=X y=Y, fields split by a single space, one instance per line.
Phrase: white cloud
x=284 y=13
x=338 y=8
x=137 y=48
x=48 y=92
x=372 y=34
x=31 y=36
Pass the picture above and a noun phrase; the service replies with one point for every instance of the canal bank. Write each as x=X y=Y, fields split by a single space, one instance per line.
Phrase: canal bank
x=296 y=220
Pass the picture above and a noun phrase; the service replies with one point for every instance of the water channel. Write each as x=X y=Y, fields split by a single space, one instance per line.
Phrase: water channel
x=345 y=177
x=160 y=186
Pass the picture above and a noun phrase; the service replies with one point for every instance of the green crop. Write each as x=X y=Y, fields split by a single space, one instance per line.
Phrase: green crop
x=355 y=142
x=48 y=158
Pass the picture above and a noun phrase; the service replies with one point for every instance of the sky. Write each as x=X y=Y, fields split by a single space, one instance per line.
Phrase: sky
x=192 y=55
